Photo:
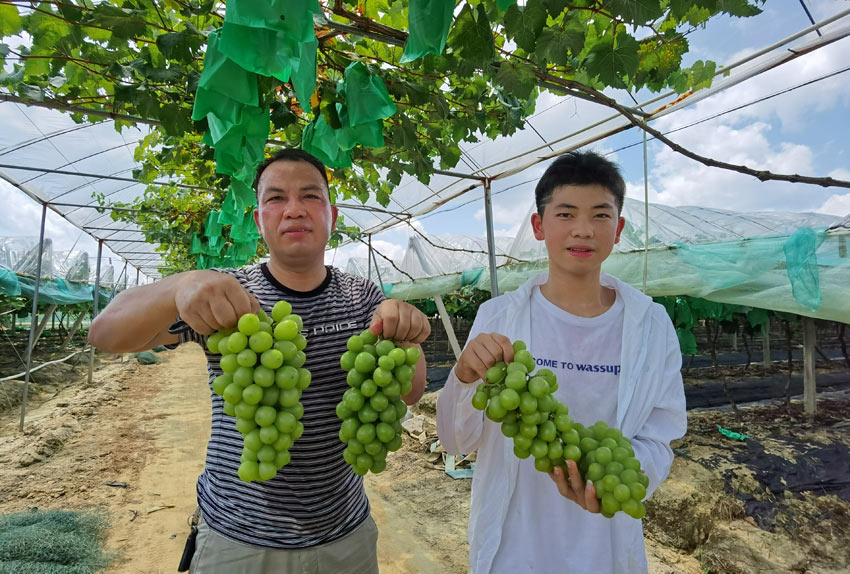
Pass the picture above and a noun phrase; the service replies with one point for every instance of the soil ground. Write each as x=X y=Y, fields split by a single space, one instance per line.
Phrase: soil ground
x=132 y=443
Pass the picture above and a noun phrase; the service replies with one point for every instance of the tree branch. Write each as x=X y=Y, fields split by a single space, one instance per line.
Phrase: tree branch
x=761 y=175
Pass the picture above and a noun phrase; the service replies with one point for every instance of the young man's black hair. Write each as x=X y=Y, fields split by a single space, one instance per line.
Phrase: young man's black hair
x=292 y=154
x=580 y=168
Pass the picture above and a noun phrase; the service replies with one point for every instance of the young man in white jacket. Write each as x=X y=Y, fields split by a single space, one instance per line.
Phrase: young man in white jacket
x=617 y=360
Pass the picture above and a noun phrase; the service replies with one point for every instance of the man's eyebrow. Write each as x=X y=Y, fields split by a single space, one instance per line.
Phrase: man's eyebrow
x=605 y=205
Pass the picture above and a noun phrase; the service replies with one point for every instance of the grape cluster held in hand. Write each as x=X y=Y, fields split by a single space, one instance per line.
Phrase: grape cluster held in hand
x=523 y=402
x=378 y=374
x=262 y=361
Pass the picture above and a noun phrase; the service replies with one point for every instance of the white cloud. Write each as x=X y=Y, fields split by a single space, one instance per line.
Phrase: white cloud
x=839 y=203
x=678 y=180
x=792 y=109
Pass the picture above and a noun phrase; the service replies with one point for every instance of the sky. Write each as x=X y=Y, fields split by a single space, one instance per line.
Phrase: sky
x=802 y=131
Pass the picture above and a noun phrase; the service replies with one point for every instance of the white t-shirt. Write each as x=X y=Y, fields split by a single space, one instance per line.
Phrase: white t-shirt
x=584 y=354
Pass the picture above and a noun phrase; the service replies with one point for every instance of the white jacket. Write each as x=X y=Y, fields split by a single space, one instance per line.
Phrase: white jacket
x=650 y=411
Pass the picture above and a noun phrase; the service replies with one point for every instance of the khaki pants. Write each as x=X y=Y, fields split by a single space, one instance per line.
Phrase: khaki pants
x=354 y=553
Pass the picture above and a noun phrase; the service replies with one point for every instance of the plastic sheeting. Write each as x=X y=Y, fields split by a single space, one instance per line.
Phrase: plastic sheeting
x=779 y=261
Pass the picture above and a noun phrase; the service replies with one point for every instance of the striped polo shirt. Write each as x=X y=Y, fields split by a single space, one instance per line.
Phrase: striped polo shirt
x=316 y=498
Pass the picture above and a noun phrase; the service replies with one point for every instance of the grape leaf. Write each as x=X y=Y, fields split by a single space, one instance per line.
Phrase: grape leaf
x=611 y=64
x=524 y=24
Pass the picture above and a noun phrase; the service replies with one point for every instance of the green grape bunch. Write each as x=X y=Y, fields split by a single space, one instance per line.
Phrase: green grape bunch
x=522 y=401
x=262 y=362
x=378 y=373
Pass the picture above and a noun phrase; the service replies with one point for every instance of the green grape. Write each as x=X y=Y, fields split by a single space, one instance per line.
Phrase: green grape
x=479 y=400
x=236 y=342
x=248 y=324
x=228 y=363
x=354 y=344
x=267 y=471
x=280 y=310
x=272 y=359
x=249 y=471
x=509 y=399
x=213 y=341
x=369 y=338
x=221 y=382
x=245 y=426
x=286 y=331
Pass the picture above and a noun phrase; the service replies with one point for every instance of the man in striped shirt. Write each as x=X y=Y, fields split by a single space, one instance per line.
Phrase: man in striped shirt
x=313 y=517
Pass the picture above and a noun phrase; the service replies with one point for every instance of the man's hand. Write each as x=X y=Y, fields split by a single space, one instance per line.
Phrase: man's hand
x=575 y=488
x=208 y=301
x=480 y=354
x=400 y=321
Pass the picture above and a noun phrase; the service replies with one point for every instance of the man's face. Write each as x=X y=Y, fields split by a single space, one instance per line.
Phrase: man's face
x=294 y=214
x=580 y=226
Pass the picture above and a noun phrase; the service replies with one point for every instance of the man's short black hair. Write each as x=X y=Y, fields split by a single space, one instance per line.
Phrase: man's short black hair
x=580 y=168
x=291 y=154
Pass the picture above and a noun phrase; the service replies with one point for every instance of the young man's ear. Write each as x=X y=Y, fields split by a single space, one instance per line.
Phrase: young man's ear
x=334 y=216
x=537 y=226
x=620 y=225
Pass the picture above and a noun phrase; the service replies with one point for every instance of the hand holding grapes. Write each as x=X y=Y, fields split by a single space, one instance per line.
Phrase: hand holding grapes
x=400 y=321
x=480 y=354
x=574 y=488
x=209 y=301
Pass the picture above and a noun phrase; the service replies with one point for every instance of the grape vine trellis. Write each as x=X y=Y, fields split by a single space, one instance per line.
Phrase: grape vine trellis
x=445 y=72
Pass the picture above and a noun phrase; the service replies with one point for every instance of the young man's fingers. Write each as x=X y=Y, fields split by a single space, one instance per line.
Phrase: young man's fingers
x=576 y=483
x=560 y=480
x=590 y=497
x=493 y=348
x=507 y=347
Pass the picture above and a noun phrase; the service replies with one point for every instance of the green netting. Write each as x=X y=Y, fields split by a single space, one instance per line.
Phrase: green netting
x=505 y=4
x=9 y=283
x=366 y=96
x=61 y=292
x=428 y=23
x=802 y=260
x=52 y=542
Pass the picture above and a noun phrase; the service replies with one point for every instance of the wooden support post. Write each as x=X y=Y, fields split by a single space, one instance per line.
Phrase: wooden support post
x=447 y=324
x=809 y=375
x=73 y=330
x=765 y=344
x=47 y=316
x=735 y=341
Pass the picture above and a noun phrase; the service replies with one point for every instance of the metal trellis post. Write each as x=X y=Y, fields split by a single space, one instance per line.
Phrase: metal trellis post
x=33 y=320
x=491 y=240
x=96 y=303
